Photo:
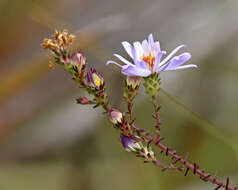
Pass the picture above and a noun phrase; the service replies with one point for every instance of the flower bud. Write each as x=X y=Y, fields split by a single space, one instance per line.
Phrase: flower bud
x=152 y=84
x=131 y=89
x=133 y=81
x=129 y=144
x=83 y=100
x=115 y=116
x=79 y=60
x=95 y=79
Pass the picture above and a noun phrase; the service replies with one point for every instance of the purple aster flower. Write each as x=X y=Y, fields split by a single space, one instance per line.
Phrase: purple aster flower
x=129 y=144
x=147 y=58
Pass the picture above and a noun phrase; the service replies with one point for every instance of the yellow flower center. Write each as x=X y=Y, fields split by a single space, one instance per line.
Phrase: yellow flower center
x=97 y=81
x=149 y=59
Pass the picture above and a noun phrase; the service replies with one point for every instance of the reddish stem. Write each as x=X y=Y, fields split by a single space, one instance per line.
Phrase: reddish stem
x=129 y=107
x=193 y=167
x=169 y=152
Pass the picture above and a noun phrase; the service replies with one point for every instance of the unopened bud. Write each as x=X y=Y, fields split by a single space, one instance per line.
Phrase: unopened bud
x=95 y=79
x=133 y=82
x=131 y=89
x=115 y=116
x=129 y=144
x=83 y=100
x=79 y=60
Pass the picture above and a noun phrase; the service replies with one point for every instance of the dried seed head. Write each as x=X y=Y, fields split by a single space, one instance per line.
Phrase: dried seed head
x=49 y=44
x=55 y=35
x=60 y=41
x=71 y=38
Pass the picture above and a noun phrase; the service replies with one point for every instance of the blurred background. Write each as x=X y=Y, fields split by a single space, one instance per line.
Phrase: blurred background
x=48 y=142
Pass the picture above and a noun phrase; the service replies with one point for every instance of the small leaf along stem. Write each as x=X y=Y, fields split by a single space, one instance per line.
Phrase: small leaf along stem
x=164 y=167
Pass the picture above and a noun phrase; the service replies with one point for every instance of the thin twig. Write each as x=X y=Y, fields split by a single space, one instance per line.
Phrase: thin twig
x=188 y=165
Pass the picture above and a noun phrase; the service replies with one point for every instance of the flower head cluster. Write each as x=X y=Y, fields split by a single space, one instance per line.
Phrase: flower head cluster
x=147 y=58
x=60 y=40
x=59 y=45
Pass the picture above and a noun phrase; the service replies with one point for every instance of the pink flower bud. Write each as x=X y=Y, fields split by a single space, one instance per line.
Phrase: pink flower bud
x=79 y=59
x=83 y=100
x=115 y=116
x=133 y=81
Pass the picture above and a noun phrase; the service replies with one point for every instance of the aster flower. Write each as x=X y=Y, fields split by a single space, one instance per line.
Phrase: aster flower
x=129 y=144
x=147 y=58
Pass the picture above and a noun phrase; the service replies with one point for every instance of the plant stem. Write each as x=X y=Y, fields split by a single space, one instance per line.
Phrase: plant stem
x=156 y=108
x=189 y=166
x=129 y=107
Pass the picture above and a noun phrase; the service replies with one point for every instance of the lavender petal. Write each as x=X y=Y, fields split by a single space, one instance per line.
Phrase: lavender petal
x=171 y=55
x=113 y=62
x=138 y=49
x=123 y=59
x=145 y=46
x=127 y=46
x=183 y=67
x=178 y=60
x=151 y=42
x=157 y=60
x=135 y=71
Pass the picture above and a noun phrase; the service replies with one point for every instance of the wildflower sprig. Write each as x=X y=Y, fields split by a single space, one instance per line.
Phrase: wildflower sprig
x=147 y=66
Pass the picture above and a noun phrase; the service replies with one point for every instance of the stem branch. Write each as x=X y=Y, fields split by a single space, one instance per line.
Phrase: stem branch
x=156 y=108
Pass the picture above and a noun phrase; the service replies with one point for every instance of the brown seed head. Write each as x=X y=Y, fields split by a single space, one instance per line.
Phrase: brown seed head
x=71 y=38
x=55 y=35
x=49 y=44
x=60 y=43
